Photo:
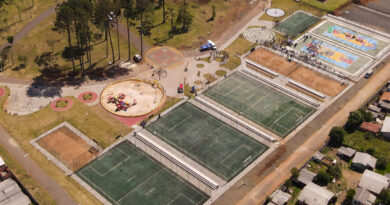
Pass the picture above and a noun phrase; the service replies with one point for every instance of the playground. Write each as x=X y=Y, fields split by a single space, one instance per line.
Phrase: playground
x=164 y=57
x=265 y=106
x=127 y=175
x=69 y=148
x=296 y=23
x=331 y=54
x=132 y=98
x=350 y=38
x=297 y=72
x=212 y=143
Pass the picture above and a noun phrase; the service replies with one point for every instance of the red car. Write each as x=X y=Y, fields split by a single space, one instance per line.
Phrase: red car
x=180 y=89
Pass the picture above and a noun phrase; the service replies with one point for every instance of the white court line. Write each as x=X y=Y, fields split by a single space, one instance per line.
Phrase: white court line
x=177 y=124
x=114 y=167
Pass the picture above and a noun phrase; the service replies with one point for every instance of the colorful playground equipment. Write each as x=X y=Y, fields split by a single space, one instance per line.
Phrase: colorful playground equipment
x=120 y=103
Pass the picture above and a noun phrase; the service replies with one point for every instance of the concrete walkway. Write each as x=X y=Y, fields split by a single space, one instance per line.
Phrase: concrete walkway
x=51 y=186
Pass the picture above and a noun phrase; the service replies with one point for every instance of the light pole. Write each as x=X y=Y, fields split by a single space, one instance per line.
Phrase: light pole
x=114 y=19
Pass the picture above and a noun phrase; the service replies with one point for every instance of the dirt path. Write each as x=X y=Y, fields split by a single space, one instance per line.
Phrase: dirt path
x=268 y=176
x=51 y=186
x=25 y=30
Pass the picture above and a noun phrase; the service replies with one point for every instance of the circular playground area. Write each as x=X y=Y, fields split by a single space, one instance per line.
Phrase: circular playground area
x=275 y=12
x=132 y=98
x=255 y=35
x=164 y=57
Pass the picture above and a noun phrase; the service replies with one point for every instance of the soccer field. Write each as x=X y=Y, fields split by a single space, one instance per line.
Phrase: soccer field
x=127 y=175
x=259 y=103
x=215 y=145
x=297 y=23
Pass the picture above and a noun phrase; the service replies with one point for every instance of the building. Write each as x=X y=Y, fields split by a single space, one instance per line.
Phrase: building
x=313 y=194
x=374 y=108
x=346 y=153
x=373 y=182
x=363 y=161
x=386 y=128
x=10 y=193
x=279 y=198
x=385 y=106
x=305 y=177
x=318 y=156
x=370 y=127
x=363 y=197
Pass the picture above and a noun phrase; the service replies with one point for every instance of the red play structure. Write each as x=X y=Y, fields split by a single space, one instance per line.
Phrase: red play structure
x=120 y=103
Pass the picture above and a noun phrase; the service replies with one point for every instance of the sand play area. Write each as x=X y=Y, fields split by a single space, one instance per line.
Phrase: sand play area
x=132 y=98
x=297 y=72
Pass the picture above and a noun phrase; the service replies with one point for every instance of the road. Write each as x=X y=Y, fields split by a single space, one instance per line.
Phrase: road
x=51 y=186
x=275 y=170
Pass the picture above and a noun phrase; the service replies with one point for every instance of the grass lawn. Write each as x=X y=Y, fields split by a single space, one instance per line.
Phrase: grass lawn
x=227 y=12
x=289 y=7
x=169 y=102
x=239 y=46
x=295 y=194
x=362 y=141
x=34 y=45
x=91 y=121
x=328 y=5
x=26 y=16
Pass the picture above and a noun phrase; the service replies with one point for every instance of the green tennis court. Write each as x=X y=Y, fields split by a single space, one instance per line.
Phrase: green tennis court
x=297 y=23
x=215 y=145
x=127 y=175
x=259 y=103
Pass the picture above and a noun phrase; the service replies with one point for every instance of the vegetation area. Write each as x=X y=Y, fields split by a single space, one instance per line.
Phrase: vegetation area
x=290 y=7
x=236 y=48
x=15 y=14
x=91 y=121
x=328 y=5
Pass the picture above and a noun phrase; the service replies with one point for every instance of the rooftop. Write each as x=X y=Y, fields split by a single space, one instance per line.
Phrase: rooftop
x=306 y=176
x=364 y=196
x=313 y=194
x=385 y=96
x=364 y=159
x=10 y=193
x=318 y=156
x=347 y=151
x=386 y=125
x=279 y=197
x=373 y=181
x=371 y=127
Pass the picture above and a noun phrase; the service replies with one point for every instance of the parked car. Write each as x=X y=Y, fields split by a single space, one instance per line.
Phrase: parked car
x=209 y=46
x=180 y=89
x=369 y=74
x=137 y=58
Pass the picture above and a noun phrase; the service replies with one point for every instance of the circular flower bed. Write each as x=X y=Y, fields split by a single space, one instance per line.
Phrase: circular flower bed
x=87 y=97
x=2 y=91
x=61 y=104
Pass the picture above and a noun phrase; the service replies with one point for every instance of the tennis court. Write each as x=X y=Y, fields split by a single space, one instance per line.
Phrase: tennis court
x=215 y=145
x=127 y=175
x=296 y=23
x=259 y=103
x=351 y=38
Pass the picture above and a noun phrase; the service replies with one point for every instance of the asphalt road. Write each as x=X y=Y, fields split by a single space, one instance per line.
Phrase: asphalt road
x=380 y=5
x=369 y=18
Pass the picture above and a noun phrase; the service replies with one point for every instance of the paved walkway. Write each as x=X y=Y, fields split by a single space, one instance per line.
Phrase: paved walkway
x=25 y=30
x=51 y=186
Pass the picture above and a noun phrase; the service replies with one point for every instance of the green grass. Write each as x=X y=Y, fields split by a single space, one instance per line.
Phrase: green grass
x=220 y=73
x=33 y=45
x=238 y=47
x=169 y=102
x=294 y=196
x=362 y=141
x=199 y=65
x=328 y=5
x=264 y=106
x=296 y=24
x=210 y=78
x=289 y=7
x=92 y=121
x=61 y=104
x=126 y=175
x=217 y=146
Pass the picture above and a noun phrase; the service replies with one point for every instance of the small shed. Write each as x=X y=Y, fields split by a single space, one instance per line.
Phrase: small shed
x=386 y=128
x=363 y=197
x=279 y=198
x=318 y=156
x=363 y=161
x=373 y=181
x=313 y=194
x=374 y=108
x=305 y=176
x=370 y=127
x=346 y=153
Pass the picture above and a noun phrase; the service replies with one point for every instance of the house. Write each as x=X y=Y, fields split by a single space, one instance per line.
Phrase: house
x=385 y=105
x=374 y=109
x=346 y=153
x=279 y=198
x=363 y=197
x=373 y=182
x=313 y=194
x=363 y=161
x=10 y=193
x=305 y=177
x=370 y=127
x=318 y=156
x=386 y=128
x=385 y=97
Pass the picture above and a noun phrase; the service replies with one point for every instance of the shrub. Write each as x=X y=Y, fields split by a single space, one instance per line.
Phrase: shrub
x=322 y=178
x=381 y=163
x=336 y=135
x=354 y=120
